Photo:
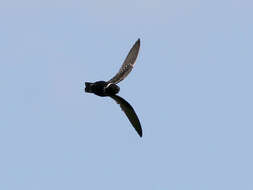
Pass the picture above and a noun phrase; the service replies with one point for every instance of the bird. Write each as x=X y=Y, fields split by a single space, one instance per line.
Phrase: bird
x=110 y=88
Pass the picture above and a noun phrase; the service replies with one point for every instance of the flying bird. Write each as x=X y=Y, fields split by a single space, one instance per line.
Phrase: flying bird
x=110 y=88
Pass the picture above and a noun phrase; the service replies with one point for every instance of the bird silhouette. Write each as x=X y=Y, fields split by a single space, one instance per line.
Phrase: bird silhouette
x=110 y=88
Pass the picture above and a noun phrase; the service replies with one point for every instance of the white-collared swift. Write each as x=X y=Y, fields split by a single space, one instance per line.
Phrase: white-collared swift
x=110 y=88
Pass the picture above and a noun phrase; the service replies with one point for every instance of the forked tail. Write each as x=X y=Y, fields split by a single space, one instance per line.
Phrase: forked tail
x=88 y=87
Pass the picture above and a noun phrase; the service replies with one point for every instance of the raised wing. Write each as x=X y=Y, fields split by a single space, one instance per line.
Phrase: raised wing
x=130 y=113
x=128 y=64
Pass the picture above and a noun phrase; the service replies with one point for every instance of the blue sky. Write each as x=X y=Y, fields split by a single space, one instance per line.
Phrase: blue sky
x=191 y=88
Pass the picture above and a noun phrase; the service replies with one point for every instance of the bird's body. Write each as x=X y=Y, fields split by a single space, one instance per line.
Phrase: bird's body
x=102 y=88
x=110 y=88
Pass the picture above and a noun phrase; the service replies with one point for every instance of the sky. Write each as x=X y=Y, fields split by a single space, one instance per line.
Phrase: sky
x=191 y=88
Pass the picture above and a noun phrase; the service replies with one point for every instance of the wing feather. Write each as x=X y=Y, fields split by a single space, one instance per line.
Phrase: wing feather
x=128 y=64
x=130 y=113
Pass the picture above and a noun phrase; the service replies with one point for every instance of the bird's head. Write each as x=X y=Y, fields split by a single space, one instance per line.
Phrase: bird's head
x=112 y=89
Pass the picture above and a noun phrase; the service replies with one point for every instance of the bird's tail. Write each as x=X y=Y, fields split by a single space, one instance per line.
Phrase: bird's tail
x=88 y=87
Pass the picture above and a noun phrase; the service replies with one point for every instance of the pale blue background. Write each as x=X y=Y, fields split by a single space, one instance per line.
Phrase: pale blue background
x=191 y=87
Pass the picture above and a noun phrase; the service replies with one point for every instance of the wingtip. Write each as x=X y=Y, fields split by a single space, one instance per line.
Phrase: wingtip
x=139 y=133
x=137 y=43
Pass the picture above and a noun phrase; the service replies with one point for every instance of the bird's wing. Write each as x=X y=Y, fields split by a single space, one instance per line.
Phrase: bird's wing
x=130 y=113
x=128 y=64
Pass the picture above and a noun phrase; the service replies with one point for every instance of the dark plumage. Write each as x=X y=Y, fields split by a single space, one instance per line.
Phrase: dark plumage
x=110 y=88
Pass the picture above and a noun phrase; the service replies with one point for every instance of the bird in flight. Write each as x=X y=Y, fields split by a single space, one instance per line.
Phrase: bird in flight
x=110 y=88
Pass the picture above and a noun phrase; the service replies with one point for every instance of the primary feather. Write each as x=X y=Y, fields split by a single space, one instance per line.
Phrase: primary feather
x=128 y=64
x=130 y=113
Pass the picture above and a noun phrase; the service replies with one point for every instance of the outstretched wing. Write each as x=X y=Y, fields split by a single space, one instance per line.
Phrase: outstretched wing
x=130 y=113
x=128 y=64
